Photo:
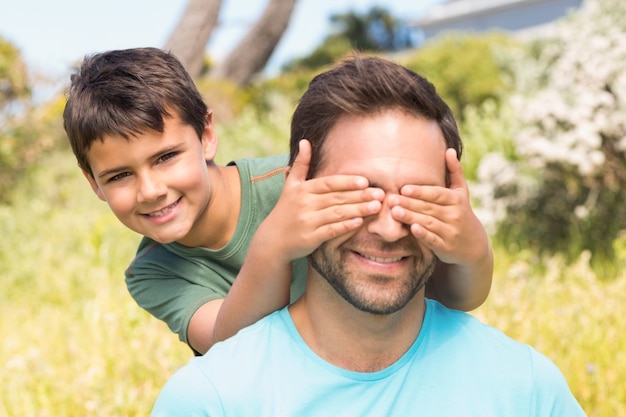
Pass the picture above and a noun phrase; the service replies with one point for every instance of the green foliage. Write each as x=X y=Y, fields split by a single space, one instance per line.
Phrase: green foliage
x=333 y=48
x=25 y=137
x=256 y=132
x=377 y=30
x=290 y=85
x=13 y=76
x=26 y=130
x=552 y=218
x=253 y=120
x=225 y=98
x=466 y=69
x=568 y=187
x=486 y=129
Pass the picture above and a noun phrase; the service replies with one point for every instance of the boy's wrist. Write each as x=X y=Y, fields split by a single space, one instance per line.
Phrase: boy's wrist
x=269 y=248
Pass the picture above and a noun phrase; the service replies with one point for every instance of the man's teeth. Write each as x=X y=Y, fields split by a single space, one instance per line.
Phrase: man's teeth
x=381 y=260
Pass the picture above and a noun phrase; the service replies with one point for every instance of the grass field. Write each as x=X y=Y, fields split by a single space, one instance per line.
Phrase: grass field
x=75 y=344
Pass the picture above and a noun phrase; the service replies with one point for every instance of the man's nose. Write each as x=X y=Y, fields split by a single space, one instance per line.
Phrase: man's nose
x=384 y=225
x=151 y=188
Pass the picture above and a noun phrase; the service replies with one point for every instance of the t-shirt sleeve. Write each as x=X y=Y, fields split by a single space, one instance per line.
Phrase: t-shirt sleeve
x=172 y=288
x=552 y=396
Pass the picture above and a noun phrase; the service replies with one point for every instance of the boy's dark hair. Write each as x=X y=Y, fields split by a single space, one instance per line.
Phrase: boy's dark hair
x=125 y=93
x=363 y=86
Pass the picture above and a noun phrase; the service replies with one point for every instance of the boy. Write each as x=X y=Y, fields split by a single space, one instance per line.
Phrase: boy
x=146 y=142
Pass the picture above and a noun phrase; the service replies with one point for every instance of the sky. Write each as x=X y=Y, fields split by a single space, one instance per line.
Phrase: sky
x=54 y=35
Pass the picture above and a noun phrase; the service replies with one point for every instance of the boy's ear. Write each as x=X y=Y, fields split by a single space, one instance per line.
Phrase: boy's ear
x=209 y=138
x=94 y=185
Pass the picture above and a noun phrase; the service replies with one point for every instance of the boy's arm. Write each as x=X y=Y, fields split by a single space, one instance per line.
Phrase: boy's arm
x=443 y=220
x=308 y=213
x=462 y=287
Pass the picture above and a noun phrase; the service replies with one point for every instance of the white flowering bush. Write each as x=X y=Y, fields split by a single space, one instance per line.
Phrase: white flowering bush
x=565 y=190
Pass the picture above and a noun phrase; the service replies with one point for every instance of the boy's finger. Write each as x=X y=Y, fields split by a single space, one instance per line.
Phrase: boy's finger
x=300 y=167
x=343 y=183
x=457 y=179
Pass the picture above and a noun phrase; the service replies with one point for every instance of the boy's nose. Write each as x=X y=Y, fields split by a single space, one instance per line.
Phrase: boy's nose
x=384 y=225
x=150 y=189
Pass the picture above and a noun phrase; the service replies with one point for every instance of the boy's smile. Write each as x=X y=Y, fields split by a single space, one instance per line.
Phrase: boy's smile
x=157 y=184
x=160 y=215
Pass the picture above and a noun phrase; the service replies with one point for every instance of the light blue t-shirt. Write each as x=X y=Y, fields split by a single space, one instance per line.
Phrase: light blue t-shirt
x=457 y=367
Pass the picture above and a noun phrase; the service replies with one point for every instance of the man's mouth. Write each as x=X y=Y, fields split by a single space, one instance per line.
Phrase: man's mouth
x=381 y=260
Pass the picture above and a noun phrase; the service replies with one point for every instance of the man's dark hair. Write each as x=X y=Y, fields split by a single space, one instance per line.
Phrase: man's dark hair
x=362 y=86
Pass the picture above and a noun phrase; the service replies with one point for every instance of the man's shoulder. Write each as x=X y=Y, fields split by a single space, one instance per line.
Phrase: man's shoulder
x=254 y=336
x=242 y=366
x=469 y=331
x=513 y=370
x=262 y=339
x=463 y=334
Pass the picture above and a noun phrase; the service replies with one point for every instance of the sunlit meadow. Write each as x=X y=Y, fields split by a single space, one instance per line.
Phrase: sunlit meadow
x=75 y=344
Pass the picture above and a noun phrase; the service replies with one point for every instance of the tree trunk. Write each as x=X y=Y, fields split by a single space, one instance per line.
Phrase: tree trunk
x=189 y=39
x=254 y=51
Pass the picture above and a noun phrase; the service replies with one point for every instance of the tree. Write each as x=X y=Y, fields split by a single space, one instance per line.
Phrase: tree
x=376 y=31
x=254 y=51
x=191 y=36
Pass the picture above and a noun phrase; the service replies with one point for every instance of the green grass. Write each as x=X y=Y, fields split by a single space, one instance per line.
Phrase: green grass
x=74 y=341
x=75 y=344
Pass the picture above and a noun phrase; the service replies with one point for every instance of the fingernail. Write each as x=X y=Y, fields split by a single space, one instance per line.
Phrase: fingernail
x=374 y=206
x=378 y=194
x=361 y=182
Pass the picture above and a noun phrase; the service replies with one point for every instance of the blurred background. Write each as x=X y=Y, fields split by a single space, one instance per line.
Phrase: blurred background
x=538 y=88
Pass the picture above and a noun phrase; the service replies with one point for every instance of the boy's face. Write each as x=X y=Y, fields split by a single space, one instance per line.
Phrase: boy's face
x=381 y=266
x=157 y=184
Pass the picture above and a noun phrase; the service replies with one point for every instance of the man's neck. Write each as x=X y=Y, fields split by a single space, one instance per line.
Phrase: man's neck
x=353 y=339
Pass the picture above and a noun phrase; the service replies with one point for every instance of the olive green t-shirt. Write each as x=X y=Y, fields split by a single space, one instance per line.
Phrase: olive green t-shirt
x=172 y=281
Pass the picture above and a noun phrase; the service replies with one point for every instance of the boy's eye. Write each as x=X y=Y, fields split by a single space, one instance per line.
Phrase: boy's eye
x=167 y=156
x=118 y=176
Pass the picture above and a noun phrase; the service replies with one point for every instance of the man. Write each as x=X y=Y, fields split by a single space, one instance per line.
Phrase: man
x=363 y=339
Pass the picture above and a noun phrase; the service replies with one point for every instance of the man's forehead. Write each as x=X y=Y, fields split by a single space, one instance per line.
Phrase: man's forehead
x=394 y=146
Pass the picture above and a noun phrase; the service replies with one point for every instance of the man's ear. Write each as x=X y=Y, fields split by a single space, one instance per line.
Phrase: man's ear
x=94 y=185
x=209 y=137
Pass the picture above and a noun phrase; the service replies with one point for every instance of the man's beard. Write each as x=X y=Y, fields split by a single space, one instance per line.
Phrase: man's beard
x=354 y=289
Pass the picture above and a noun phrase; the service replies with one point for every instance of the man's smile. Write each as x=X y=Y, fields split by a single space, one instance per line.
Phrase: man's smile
x=383 y=260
